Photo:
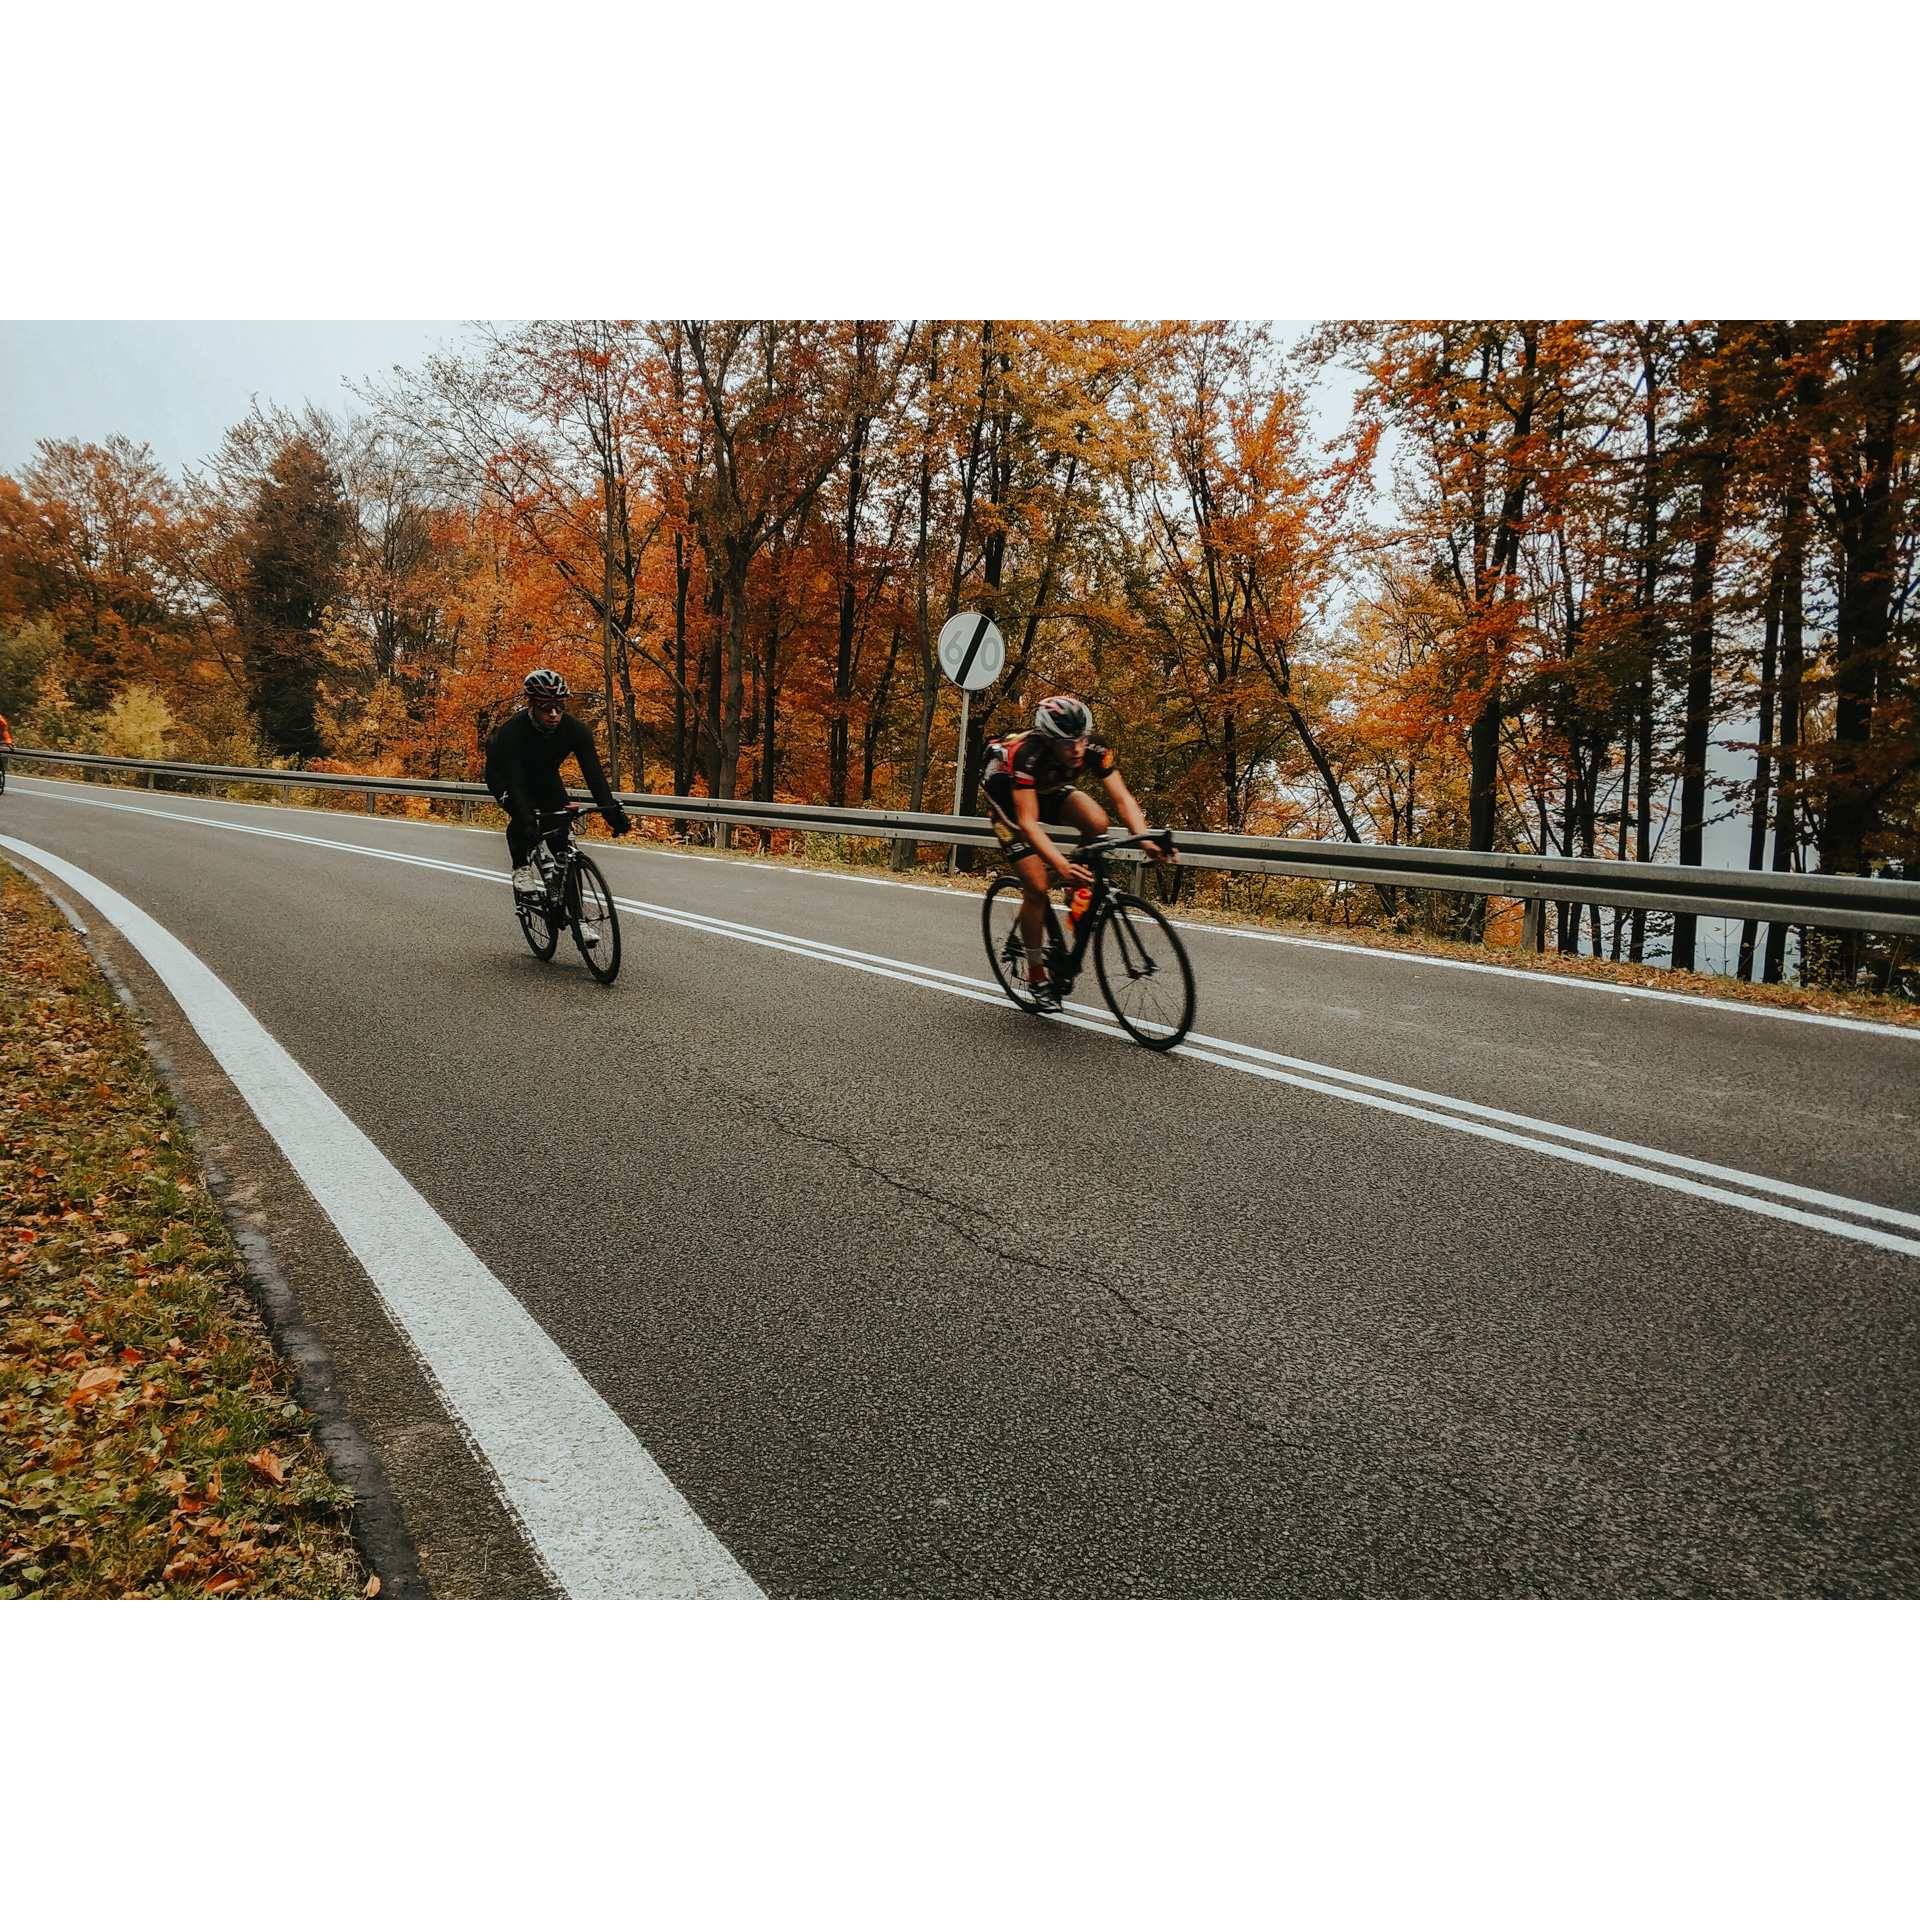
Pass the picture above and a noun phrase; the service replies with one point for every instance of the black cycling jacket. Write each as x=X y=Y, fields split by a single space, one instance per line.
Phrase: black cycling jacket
x=523 y=765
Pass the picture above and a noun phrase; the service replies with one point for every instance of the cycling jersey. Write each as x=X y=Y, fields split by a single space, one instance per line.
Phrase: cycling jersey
x=1028 y=760
x=523 y=773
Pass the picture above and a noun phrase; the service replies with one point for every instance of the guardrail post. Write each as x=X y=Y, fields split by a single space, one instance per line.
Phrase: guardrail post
x=370 y=800
x=466 y=813
x=1137 y=879
x=1533 y=931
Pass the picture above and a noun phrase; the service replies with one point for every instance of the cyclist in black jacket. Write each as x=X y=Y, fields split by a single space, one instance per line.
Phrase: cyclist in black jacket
x=523 y=770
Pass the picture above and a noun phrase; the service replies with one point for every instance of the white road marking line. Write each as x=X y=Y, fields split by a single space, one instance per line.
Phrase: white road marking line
x=1696 y=1002
x=1305 y=1074
x=1648 y=1176
x=1312 y=1077
x=604 y=1520
x=1784 y=1189
x=1560 y=980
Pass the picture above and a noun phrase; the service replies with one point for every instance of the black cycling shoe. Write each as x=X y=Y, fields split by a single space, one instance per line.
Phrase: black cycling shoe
x=1046 y=997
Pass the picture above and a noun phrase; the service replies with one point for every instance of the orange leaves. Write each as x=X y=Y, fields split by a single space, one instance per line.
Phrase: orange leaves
x=372 y=1588
x=92 y=1384
x=268 y=1466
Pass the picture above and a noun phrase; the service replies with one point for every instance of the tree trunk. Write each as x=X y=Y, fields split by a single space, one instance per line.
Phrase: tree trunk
x=734 y=700
x=713 y=674
x=1786 y=839
x=1643 y=823
x=606 y=621
x=1699 y=710
x=905 y=852
x=876 y=719
x=1865 y=527
x=1763 y=757
x=682 y=735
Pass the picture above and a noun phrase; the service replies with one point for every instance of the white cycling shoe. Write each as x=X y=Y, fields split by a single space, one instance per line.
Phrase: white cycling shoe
x=588 y=938
x=527 y=880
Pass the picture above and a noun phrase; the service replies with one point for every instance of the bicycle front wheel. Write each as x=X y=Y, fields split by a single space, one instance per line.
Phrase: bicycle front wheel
x=1144 y=972
x=596 y=926
x=537 y=924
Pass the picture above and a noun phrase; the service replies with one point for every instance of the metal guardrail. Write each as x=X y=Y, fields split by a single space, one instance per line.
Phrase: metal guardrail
x=1798 y=899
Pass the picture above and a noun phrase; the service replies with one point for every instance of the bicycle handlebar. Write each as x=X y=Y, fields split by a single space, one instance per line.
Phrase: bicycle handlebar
x=1107 y=844
x=567 y=815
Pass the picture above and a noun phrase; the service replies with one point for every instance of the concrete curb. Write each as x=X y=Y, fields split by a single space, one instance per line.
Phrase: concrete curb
x=379 y=1532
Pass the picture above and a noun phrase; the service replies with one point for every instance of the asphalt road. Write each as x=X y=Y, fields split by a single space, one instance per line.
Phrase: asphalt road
x=910 y=1294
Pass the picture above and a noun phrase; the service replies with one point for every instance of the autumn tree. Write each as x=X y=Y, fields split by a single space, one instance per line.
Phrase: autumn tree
x=87 y=548
x=1477 y=471
x=1242 y=559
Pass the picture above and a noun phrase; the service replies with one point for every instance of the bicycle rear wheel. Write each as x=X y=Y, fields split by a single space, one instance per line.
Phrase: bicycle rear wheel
x=537 y=924
x=1144 y=972
x=595 y=924
x=999 y=923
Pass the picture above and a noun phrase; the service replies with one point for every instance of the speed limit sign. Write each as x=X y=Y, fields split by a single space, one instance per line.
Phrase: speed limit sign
x=971 y=651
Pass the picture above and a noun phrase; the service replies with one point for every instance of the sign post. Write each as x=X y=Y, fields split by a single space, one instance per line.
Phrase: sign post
x=971 y=655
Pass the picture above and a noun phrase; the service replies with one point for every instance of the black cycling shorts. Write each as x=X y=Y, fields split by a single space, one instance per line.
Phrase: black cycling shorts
x=1015 y=844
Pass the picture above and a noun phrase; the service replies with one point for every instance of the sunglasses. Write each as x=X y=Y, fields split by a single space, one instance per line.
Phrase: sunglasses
x=548 y=706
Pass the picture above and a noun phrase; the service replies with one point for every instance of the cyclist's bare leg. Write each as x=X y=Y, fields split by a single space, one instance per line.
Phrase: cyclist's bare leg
x=1085 y=813
x=1089 y=820
x=1033 y=874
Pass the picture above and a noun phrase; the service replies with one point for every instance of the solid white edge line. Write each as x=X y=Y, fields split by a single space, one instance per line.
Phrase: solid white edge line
x=1695 y=1002
x=602 y=1517
x=1306 y=1073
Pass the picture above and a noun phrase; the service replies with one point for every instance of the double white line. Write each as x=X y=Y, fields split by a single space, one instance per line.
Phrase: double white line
x=1812 y=1207
x=1679 y=1173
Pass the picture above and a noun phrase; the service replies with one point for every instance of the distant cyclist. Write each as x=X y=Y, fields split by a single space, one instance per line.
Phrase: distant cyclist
x=1029 y=786
x=6 y=743
x=523 y=770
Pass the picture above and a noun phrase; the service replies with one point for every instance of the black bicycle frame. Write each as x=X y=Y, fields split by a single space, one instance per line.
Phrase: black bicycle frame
x=1091 y=854
x=552 y=827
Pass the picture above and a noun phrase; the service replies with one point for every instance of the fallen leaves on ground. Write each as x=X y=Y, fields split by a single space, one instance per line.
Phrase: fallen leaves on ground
x=149 y=1442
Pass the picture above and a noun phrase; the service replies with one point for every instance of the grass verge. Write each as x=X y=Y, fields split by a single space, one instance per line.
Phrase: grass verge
x=150 y=1445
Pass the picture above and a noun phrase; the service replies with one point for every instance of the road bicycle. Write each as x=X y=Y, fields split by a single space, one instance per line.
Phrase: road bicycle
x=575 y=896
x=1138 y=957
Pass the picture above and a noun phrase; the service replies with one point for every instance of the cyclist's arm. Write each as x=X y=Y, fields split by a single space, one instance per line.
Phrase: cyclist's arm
x=595 y=779
x=1026 y=813
x=507 y=780
x=1128 y=808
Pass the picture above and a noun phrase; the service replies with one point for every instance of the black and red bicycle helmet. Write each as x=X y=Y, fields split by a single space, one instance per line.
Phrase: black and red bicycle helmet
x=1062 y=717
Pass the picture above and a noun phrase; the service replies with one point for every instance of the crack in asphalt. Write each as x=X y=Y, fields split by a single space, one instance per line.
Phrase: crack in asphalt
x=1215 y=1407
x=946 y=1208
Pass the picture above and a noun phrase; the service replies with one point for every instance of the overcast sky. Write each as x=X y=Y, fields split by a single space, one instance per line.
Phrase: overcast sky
x=179 y=384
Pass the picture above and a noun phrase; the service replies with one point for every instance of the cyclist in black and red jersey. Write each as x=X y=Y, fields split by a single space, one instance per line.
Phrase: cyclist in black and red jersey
x=1029 y=786
x=523 y=771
